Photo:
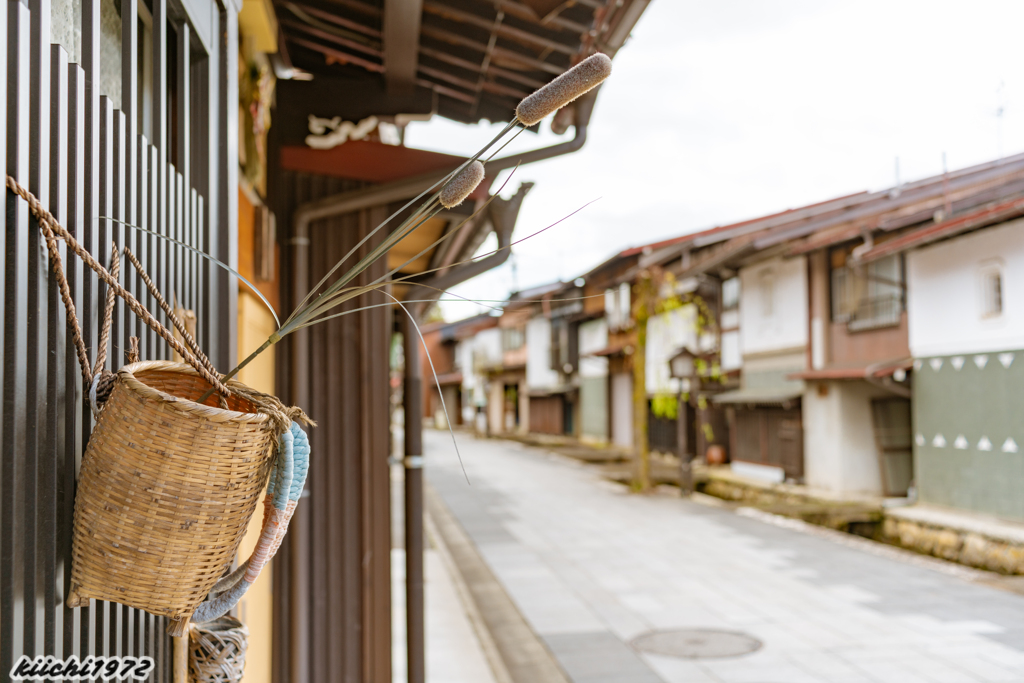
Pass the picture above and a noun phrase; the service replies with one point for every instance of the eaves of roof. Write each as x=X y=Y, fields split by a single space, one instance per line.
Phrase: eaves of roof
x=937 y=231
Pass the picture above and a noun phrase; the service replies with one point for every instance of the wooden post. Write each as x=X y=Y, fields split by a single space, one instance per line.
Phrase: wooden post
x=180 y=665
x=685 y=454
x=642 y=311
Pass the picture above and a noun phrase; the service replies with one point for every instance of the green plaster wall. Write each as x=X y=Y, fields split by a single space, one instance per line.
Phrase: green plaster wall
x=966 y=406
x=594 y=407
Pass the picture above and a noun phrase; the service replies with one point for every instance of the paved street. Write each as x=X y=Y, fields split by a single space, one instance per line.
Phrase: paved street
x=592 y=567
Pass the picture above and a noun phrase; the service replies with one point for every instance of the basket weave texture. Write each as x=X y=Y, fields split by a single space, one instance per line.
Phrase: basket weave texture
x=166 y=490
x=216 y=652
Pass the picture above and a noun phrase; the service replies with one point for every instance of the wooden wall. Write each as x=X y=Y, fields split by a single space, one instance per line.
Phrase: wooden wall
x=332 y=578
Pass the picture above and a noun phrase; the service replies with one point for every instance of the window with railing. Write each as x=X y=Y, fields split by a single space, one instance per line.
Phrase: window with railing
x=513 y=338
x=867 y=296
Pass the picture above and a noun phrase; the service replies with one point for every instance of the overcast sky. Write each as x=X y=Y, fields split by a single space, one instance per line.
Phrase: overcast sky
x=727 y=110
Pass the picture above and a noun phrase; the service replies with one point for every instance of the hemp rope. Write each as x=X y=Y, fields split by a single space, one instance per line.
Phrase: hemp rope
x=169 y=312
x=49 y=223
x=108 y=311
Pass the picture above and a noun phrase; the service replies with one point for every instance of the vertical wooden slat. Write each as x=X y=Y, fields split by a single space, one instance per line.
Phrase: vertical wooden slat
x=170 y=256
x=193 y=258
x=183 y=137
x=53 y=454
x=178 y=203
x=12 y=603
x=159 y=164
x=6 y=421
x=141 y=240
x=130 y=180
x=106 y=613
x=74 y=621
x=123 y=318
x=91 y=635
x=37 y=434
x=152 y=189
x=224 y=186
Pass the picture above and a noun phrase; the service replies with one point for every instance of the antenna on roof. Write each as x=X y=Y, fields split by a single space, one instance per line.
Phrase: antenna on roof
x=945 y=187
x=898 y=189
x=1000 y=110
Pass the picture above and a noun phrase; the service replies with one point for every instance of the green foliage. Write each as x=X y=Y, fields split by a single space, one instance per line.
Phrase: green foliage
x=665 y=406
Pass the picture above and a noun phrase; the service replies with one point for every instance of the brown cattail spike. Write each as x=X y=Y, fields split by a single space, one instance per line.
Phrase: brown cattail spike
x=583 y=77
x=459 y=187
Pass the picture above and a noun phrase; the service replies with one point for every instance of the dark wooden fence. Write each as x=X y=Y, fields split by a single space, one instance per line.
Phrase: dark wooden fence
x=84 y=159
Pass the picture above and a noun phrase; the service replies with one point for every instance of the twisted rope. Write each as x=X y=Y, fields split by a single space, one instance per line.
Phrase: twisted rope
x=69 y=303
x=46 y=218
x=171 y=315
x=108 y=313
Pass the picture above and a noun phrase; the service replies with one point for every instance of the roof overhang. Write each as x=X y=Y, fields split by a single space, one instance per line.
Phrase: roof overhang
x=463 y=60
x=760 y=396
x=860 y=371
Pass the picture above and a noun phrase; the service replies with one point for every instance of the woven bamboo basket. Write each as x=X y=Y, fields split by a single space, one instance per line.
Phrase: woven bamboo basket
x=166 y=490
x=216 y=651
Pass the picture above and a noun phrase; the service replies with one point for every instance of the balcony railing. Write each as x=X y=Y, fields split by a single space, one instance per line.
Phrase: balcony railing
x=883 y=311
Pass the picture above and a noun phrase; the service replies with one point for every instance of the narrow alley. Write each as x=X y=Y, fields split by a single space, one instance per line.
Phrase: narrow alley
x=592 y=567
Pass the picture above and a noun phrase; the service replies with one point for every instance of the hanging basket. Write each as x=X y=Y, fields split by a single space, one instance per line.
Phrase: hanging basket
x=216 y=651
x=166 y=490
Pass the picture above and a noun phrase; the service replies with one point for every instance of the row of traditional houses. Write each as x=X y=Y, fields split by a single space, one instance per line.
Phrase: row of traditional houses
x=862 y=345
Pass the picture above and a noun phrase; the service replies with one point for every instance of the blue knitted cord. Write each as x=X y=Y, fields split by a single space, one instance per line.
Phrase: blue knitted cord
x=300 y=455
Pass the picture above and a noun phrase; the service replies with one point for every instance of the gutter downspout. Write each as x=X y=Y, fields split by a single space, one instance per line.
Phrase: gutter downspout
x=298 y=557
x=347 y=202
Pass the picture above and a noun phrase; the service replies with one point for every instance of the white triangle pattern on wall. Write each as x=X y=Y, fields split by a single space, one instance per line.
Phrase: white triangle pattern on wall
x=984 y=444
x=936 y=364
x=957 y=362
x=939 y=441
x=1006 y=359
x=960 y=442
x=1009 y=446
x=919 y=439
x=981 y=361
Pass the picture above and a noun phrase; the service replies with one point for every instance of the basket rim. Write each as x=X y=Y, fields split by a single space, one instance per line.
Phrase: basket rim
x=127 y=375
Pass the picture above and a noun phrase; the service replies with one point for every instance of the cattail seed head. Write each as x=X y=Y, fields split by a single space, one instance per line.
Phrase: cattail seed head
x=583 y=77
x=459 y=187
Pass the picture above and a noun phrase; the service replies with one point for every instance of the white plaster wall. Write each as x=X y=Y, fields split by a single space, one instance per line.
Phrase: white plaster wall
x=487 y=349
x=665 y=334
x=731 y=356
x=539 y=374
x=944 y=302
x=773 y=318
x=840 y=453
x=593 y=337
x=472 y=382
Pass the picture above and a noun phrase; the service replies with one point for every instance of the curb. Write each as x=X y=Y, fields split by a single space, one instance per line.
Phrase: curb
x=515 y=653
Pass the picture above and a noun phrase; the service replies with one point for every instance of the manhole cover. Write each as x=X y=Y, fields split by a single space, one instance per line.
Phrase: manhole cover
x=696 y=643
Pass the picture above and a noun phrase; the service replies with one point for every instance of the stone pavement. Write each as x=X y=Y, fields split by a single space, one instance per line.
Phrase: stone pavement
x=453 y=651
x=591 y=567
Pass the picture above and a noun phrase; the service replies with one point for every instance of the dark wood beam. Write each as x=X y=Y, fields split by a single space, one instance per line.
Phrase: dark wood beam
x=401 y=43
x=508 y=55
x=504 y=30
